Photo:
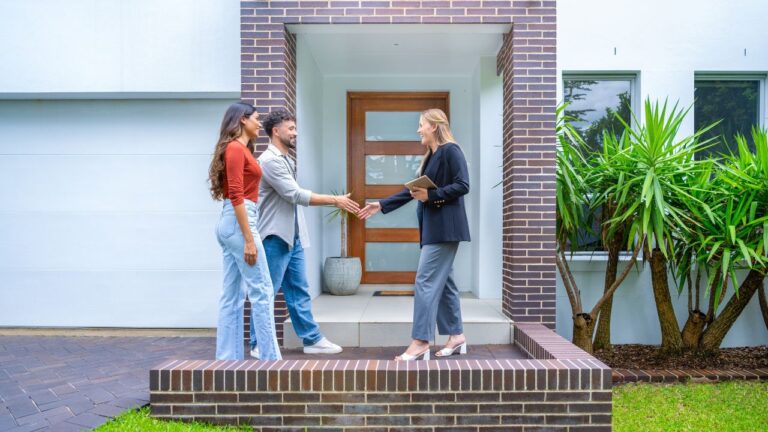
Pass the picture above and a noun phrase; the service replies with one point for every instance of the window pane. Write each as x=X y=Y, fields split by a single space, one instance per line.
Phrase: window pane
x=404 y=217
x=736 y=103
x=391 y=256
x=594 y=104
x=381 y=169
x=391 y=126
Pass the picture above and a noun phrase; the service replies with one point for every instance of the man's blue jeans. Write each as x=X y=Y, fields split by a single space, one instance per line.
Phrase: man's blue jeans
x=239 y=279
x=288 y=271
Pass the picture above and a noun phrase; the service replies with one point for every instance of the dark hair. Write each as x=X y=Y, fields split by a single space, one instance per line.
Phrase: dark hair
x=231 y=128
x=274 y=119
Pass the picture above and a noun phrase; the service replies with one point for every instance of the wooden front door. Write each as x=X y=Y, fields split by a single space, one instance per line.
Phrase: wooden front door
x=384 y=151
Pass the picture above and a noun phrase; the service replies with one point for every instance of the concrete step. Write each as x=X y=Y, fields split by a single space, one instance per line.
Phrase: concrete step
x=363 y=320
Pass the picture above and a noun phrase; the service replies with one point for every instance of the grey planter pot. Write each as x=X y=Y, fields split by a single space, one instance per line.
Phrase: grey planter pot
x=342 y=275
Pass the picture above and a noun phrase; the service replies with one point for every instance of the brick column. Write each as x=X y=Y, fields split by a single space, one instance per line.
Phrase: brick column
x=268 y=81
x=527 y=60
x=528 y=64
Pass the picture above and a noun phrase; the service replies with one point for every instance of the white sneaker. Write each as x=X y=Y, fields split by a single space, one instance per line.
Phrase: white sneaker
x=255 y=353
x=323 y=346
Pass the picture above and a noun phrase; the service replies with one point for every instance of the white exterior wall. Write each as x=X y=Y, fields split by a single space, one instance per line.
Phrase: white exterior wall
x=310 y=126
x=105 y=219
x=105 y=216
x=665 y=43
x=486 y=234
x=114 y=48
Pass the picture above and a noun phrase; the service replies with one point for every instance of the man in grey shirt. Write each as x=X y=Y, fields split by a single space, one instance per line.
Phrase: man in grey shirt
x=284 y=232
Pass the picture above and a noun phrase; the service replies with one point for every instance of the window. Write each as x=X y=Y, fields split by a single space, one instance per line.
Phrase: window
x=594 y=102
x=735 y=101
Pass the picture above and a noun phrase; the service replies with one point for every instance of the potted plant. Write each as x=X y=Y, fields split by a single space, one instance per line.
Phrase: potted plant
x=341 y=275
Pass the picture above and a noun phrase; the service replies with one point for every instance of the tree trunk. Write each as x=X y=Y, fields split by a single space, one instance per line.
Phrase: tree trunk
x=763 y=304
x=583 y=326
x=671 y=339
x=715 y=333
x=693 y=329
x=603 y=335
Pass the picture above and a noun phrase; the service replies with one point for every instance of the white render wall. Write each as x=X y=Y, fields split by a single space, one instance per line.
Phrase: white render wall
x=115 y=48
x=665 y=43
x=110 y=116
x=105 y=215
x=310 y=125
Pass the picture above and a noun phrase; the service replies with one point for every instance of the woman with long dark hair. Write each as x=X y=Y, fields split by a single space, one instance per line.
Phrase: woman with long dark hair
x=234 y=176
x=442 y=225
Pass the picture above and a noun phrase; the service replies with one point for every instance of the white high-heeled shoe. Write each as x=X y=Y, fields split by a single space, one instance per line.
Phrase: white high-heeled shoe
x=447 y=352
x=407 y=357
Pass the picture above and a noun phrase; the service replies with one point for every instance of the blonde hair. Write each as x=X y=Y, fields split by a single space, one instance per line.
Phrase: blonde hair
x=443 y=134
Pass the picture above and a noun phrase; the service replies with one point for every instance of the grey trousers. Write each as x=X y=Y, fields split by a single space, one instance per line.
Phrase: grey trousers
x=436 y=295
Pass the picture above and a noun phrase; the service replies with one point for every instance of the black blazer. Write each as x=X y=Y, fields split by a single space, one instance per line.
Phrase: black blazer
x=443 y=217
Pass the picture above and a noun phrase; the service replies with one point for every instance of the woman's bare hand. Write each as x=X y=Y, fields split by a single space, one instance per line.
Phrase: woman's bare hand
x=250 y=253
x=369 y=210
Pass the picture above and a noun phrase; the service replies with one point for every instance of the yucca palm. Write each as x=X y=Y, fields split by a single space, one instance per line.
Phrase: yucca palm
x=602 y=174
x=732 y=235
x=653 y=192
x=575 y=212
x=728 y=237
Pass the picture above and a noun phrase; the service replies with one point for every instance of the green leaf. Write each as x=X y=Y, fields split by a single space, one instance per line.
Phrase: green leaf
x=745 y=252
x=715 y=247
x=732 y=232
x=726 y=261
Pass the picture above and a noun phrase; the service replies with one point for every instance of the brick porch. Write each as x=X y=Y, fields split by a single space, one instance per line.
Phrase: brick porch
x=560 y=389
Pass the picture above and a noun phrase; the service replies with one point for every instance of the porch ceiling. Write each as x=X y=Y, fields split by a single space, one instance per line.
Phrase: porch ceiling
x=400 y=49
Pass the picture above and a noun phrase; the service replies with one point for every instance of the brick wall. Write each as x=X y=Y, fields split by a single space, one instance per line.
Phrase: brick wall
x=528 y=64
x=281 y=314
x=553 y=394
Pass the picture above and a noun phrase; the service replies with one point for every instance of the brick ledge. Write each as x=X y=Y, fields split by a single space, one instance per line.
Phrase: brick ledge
x=624 y=376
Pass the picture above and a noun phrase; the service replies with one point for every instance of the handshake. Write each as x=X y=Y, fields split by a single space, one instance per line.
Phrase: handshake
x=346 y=203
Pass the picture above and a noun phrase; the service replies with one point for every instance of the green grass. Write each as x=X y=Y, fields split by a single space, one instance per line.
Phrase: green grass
x=725 y=407
x=728 y=406
x=139 y=420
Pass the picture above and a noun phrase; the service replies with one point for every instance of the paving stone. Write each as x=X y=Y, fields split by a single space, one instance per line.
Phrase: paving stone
x=7 y=422
x=88 y=420
x=22 y=408
x=31 y=427
x=10 y=390
x=99 y=396
x=64 y=389
x=65 y=427
x=79 y=406
x=59 y=379
x=31 y=419
x=43 y=397
x=57 y=415
x=130 y=403
x=107 y=410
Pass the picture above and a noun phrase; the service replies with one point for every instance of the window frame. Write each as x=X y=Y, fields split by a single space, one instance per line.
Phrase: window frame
x=632 y=76
x=634 y=91
x=762 y=97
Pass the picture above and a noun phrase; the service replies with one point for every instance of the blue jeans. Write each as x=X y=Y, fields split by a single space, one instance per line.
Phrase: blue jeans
x=287 y=269
x=239 y=279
